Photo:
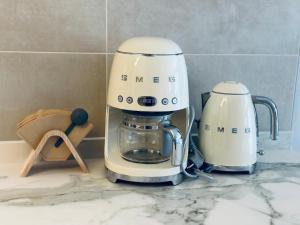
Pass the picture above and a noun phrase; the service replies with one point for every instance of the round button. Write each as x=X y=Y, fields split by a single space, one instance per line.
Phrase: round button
x=120 y=98
x=174 y=100
x=129 y=100
x=164 y=101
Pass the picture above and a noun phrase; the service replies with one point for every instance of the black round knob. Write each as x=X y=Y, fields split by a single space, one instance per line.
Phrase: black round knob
x=79 y=116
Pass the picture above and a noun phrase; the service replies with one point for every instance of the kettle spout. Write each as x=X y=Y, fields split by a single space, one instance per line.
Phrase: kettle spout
x=204 y=97
x=274 y=130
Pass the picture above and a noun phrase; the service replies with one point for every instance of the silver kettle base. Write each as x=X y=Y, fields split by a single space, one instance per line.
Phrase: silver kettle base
x=209 y=168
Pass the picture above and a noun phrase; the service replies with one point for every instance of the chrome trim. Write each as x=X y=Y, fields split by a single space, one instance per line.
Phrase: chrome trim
x=114 y=177
x=140 y=127
x=229 y=93
x=149 y=54
x=207 y=167
x=274 y=124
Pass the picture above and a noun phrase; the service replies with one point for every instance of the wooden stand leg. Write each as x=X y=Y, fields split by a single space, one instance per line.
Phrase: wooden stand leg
x=35 y=152
x=75 y=153
x=28 y=163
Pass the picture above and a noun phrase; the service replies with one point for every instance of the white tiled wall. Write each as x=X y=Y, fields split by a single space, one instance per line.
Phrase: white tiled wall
x=57 y=53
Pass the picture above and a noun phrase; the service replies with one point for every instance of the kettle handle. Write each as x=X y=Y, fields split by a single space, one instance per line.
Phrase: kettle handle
x=270 y=104
x=204 y=97
x=177 y=144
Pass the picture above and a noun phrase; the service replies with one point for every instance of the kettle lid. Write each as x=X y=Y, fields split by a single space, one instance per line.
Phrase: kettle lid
x=231 y=87
x=150 y=45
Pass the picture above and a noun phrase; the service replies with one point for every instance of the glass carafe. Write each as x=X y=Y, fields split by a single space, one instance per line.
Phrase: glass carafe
x=142 y=137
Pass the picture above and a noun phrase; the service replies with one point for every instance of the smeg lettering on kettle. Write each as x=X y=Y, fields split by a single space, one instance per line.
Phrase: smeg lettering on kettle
x=233 y=130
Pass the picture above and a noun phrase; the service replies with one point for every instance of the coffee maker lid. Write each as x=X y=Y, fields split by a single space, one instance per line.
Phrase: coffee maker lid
x=231 y=87
x=150 y=45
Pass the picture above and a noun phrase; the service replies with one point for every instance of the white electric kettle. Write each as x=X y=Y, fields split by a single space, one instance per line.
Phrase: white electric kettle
x=228 y=127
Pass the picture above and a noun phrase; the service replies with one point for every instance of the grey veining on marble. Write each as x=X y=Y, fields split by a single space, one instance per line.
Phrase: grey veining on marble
x=68 y=197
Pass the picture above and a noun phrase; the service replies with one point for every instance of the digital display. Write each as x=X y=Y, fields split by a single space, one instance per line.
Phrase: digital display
x=147 y=101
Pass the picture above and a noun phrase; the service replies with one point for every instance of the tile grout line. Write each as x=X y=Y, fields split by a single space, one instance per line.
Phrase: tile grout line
x=237 y=54
x=111 y=53
x=295 y=88
x=93 y=138
x=106 y=49
x=22 y=141
x=45 y=52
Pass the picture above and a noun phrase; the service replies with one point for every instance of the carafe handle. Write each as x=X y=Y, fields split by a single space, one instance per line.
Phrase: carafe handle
x=177 y=144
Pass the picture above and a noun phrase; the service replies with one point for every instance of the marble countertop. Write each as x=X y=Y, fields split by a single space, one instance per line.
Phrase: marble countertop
x=66 y=196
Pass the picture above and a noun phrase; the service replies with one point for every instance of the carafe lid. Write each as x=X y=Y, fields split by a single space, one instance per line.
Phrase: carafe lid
x=231 y=87
x=150 y=45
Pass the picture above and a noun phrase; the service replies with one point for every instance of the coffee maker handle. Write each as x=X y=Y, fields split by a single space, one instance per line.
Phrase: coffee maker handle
x=177 y=144
x=270 y=104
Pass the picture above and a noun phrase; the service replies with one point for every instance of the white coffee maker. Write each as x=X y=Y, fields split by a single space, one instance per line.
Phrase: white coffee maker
x=147 y=113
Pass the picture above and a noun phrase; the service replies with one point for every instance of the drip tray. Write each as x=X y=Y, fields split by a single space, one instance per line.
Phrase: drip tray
x=144 y=156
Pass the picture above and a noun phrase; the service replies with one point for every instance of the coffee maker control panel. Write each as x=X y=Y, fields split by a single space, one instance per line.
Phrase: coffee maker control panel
x=147 y=101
